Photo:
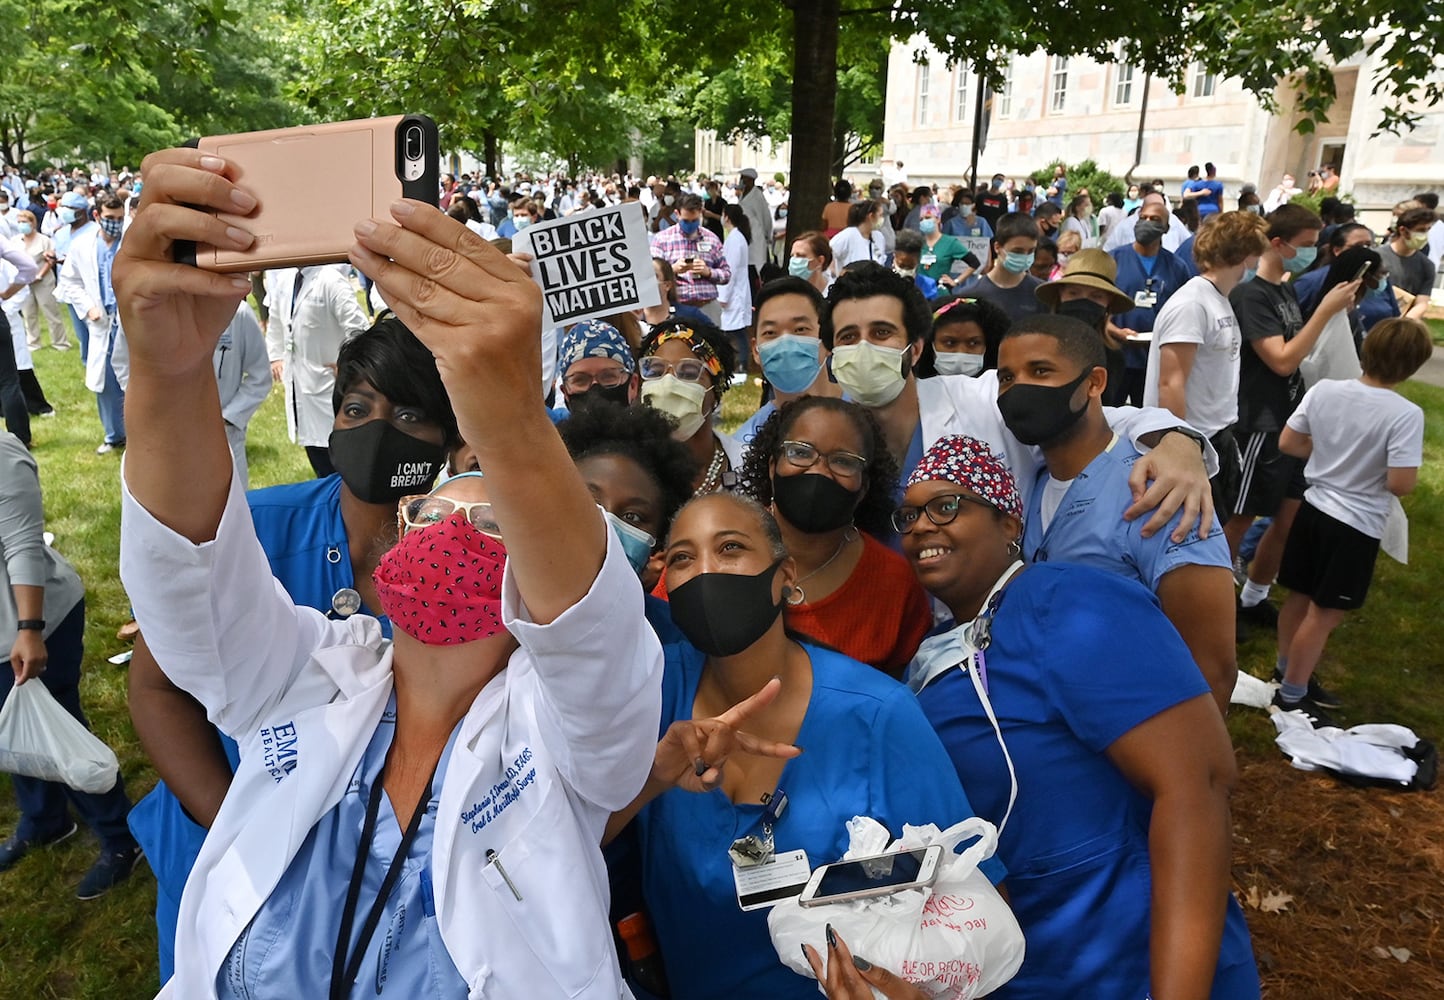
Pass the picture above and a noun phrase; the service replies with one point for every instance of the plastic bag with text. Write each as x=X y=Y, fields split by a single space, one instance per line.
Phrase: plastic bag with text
x=40 y=739
x=954 y=941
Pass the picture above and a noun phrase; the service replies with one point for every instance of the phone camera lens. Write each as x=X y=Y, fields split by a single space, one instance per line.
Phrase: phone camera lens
x=413 y=143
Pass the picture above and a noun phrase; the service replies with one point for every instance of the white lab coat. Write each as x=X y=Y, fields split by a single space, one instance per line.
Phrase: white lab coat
x=571 y=724
x=961 y=404
x=12 y=306
x=306 y=332
x=79 y=285
x=736 y=295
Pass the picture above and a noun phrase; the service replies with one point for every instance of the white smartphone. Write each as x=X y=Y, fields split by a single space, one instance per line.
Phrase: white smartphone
x=878 y=875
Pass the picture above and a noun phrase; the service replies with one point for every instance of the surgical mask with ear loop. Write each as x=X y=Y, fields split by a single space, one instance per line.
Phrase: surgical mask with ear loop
x=963 y=648
x=682 y=401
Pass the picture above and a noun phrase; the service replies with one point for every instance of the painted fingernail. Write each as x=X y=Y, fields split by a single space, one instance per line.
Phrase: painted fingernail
x=699 y=767
x=365 y=227
x=243 y=200
x=239 y=237
x=213 y=163
x=831 y=937
x=402 y=208
x=862 y=964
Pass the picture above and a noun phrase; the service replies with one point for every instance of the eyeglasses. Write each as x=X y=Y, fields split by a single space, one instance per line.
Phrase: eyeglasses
x=428 y=509
x=608 y=378
x=805 y=456
x=686 y=370
x=940 y=510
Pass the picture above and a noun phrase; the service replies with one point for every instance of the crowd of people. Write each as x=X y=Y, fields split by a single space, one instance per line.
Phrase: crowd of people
x=546 y=653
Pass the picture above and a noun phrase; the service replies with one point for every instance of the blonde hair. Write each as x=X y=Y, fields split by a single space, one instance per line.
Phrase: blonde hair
x=1229 y=240
x=1070 y=242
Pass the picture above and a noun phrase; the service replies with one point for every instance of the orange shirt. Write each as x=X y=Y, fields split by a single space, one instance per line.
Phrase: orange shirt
x=879 y=616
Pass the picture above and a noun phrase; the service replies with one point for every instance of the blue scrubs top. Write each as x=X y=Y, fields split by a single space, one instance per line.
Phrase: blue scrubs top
x=1162 y=274
x=1064 y=689
x=754 y=423
x=869 y=752
x=300 y=528
x=288 y=948
x=1088 y=526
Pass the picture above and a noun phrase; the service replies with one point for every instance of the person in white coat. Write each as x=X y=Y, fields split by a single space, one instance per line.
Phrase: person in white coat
x=243 y=372
x=313 y=312
x=736 y=296
x=477 y=759
x=85 y=284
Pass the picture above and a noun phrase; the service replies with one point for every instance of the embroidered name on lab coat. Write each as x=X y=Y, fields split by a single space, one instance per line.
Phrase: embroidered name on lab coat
x=519 y=777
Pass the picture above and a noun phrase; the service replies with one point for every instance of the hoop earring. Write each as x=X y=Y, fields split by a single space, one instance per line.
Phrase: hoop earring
x=1015 y=548
x=793 y=596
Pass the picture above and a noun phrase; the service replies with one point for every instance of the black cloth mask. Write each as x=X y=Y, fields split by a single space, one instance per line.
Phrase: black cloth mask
x=381 y=464
x=579 y=401
x=1037 y=414
x=813 y=502
x=1087 y=310
x=724 y=613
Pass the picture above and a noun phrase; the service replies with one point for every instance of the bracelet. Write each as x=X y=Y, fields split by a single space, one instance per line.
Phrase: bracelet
x=1192 y=435
x=31 y=624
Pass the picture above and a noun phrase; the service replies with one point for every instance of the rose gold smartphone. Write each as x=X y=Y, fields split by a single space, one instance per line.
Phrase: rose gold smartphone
x=315 y=182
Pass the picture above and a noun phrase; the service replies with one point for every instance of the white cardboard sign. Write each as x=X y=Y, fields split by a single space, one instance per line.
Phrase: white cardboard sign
x=595 y=263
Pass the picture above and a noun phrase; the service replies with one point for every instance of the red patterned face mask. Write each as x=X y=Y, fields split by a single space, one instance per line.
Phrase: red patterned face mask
x=441 y=584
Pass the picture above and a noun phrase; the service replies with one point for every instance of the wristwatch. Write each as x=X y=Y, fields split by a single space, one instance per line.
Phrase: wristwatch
x=1189 y=433
x=31 y=624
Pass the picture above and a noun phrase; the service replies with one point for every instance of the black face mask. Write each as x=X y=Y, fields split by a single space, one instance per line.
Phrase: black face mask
x=381 y=464
x=724 y=613
x=579 y=401
x=1087 y=310
x=1037 y=414
x=814 y=503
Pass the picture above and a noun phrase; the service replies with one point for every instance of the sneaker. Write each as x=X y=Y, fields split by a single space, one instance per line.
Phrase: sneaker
x=109 y=870
x=106 y=447
x=1317 y=717
x=47 y=413
x=1240 y=570
x=1263 y=614
x=16 y=848
x=60 y=347
x=1318 y=694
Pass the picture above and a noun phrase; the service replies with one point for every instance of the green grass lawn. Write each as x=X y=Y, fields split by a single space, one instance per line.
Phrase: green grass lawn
x=1385 y=661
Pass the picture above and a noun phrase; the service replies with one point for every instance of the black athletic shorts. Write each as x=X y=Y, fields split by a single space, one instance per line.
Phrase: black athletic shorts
x=1330 y=561
x=1268 y=475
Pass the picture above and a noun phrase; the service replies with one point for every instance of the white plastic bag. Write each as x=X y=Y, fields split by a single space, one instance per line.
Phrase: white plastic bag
x=955 y=941
x=39 y=739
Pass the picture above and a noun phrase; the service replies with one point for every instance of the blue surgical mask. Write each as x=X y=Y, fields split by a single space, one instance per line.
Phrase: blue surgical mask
x=521 y=221
x=1302 y=259
x=790 y=362
x=68 y=215
x=638 y=545
x=1017 y=263
x=1379 y=291
x=967 y=210
x=928 y=226
x=689 y=227
x=25 y=228
x=799 y=267
x=1249 y=273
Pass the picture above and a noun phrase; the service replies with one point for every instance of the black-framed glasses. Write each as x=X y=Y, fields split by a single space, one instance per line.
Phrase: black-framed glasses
x=608 y=378
x=686 y=370
x=940 y=510
x=805 y=456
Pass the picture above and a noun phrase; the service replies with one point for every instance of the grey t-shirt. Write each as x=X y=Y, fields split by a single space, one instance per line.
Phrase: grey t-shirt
x=1017 y=302
x=1414 y=273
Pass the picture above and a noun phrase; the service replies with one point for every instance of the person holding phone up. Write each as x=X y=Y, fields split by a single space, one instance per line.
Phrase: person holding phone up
x=431 y=811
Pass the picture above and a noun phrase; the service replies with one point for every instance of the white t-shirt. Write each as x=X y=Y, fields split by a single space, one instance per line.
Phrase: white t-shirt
x=850 y=245
x=1359 y=433
x=1198 y=313
x=1054 y=490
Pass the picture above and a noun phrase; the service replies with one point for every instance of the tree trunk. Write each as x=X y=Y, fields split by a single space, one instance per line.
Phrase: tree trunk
x=814 y=101
x=491 y=153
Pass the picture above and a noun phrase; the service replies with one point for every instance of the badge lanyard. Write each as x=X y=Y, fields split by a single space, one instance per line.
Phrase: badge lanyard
x=751 y=851
x=346 y=964
x=982 y=637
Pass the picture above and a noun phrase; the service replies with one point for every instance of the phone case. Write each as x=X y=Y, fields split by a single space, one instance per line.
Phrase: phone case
x=314 y=183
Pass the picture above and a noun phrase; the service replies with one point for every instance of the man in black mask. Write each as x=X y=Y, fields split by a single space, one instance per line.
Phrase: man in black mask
x=596 y=364
x=1086 y=291
x=1051 y=382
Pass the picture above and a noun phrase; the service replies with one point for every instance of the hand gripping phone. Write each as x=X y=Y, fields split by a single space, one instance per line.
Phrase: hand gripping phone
x=878 y=875
x=314 y=183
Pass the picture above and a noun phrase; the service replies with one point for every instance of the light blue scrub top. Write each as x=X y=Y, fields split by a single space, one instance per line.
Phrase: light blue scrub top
x=868 y=752
x=1088 y=528
x=288 y=948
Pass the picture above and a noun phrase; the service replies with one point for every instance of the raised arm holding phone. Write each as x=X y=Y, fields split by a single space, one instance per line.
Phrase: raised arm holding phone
x=500 y=743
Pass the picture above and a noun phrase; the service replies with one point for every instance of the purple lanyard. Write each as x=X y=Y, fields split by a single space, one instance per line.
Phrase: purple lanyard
x=981 y=663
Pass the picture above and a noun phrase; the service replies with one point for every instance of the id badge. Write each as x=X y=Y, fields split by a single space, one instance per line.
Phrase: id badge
x=1144 y=299
x=762 y=886
x=929 y=259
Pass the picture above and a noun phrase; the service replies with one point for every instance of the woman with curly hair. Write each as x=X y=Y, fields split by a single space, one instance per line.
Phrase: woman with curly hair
x=822 y=467
x=685 y=369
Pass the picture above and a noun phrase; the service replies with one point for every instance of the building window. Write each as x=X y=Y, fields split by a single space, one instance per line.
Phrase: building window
x=1003 y=100
x=1203 y=82
x=1123 y=84
x=1060 y=84
x=923 y=73
x=960 y=93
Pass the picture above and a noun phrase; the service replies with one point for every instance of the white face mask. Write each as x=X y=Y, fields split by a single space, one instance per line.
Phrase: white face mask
x=957 y=363
x=872 y=376
x=682 y=401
